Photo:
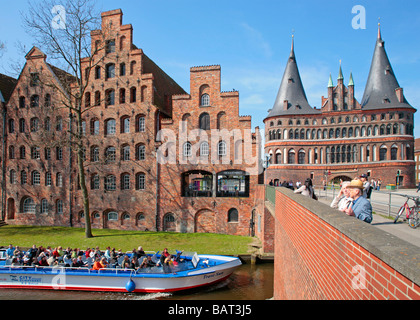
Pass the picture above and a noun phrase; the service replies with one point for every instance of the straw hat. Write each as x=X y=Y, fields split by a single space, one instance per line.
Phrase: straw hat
x=356 y=184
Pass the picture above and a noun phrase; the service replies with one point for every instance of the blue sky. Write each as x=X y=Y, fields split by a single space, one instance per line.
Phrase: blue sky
x=251 y=41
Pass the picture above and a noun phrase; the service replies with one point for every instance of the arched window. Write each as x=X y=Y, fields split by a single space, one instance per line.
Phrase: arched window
x=204 y=121
x=112 y=216
x=221 y=120
x=110 y=127
x=109 y=71
x=132 y=67
x=125 y=181
x=44 y=206
x=125 y=124
x=140 y=152
x=34 y=101
x=205 y=100
x=36 y=178
x=59 y=206
x=28 y=205
x=233 y=215
x=94 y=182
x=140 y=124
x=110 y=97
x=382 y=153
x=133 y=94
x=94 y=127
x=110 y=155
x=122 y=69
x=94 y=154
x=140 y=181
x=187 y=149
x=394 y=152
x=125 y=152
x=110 y=182
x=221 y=148
x=301 y=156
x=291 y=156
x=204 y=149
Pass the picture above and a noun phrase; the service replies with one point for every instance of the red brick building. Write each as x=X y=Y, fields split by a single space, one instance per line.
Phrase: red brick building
x=209 y=180
x=128 y=100
x=344 y=138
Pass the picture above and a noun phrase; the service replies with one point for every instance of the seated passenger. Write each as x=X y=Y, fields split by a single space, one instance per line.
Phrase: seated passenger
x=126 y=264
x=43 y=262
x=134 y=263
x=97 y=265
x=104 y=263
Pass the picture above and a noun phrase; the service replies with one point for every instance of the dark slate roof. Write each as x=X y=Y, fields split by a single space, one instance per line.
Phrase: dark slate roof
x=7 y=84
x=164 y=85
x=381 y=83
x=291 y=89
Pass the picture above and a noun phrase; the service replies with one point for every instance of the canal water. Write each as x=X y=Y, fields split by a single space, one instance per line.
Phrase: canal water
x=248 y=282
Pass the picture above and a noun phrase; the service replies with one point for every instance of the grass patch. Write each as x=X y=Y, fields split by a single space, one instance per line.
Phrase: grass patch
x=202 y=243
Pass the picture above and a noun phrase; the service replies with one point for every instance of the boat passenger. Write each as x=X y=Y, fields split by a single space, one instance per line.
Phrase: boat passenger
x=126 y=264
x=78 y=262
x=43 y=262
x=10 y=250
x=113 y=261
x=134 y=263
x=164 y=255
x=97 y=265
x=140 y=252
x=104 y=262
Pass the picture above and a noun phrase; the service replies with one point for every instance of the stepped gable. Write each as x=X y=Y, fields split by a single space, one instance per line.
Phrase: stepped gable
x=382 y=89
x=291 y=98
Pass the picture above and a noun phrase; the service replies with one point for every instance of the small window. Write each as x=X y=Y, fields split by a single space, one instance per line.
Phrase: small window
x=34 y=79
x=110 y=71
x=233 y=215
x=140 y=181
x=112 y=216
x=187 y=150
x=110 y=46
x=205 y=100
x=59 y=206
x=221 y=148
x=110 y=183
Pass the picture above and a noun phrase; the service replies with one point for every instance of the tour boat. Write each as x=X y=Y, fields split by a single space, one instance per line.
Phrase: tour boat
x=192 y=271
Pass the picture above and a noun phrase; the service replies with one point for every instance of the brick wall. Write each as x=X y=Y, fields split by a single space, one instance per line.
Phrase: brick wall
x=323 y=254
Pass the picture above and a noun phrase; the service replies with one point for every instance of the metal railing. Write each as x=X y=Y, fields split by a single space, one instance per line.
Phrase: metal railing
x=383 y=202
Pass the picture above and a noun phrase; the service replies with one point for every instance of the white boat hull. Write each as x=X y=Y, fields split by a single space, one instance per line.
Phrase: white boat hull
x=116 y=280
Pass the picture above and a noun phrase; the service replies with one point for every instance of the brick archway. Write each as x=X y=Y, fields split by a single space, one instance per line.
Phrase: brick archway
x=205 y=221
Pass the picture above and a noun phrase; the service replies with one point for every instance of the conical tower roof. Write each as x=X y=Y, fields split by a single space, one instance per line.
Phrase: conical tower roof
x=381 y=83
x=291 y=90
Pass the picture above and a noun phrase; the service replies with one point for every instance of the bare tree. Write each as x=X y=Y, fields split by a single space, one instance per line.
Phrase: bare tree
x=63 y=32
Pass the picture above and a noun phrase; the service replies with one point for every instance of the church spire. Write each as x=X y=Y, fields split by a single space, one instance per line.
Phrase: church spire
x=330 y=82
x=340 y=73
x=291 y=97
x=351 y=82
x=381 y=86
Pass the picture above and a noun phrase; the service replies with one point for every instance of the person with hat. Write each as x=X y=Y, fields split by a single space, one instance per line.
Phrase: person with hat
x=360 y=207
